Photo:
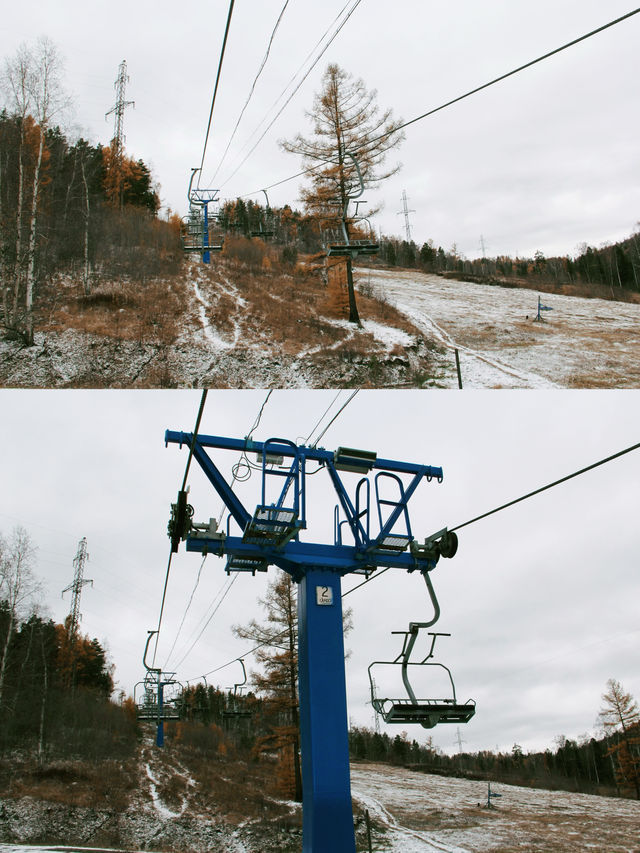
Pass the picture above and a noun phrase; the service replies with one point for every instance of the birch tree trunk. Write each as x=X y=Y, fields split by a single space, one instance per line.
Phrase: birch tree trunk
x=85 y=275
x=31 y=251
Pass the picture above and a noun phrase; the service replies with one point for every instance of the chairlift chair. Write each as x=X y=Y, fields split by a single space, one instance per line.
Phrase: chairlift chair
x=426 y=712
x=348 y=247
x=235 y=712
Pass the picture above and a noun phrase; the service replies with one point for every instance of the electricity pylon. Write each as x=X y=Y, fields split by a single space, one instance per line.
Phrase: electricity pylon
x=117 y=142
x=75 y=587
x=405 y=210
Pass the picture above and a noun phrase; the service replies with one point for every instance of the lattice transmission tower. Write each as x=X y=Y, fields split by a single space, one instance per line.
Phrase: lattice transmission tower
x=117 y=143
x=405 y=212
x=75 y=587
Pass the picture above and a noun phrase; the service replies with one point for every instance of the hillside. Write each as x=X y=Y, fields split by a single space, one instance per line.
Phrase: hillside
x=227 y=325
x=234 y=324
x=169 y=800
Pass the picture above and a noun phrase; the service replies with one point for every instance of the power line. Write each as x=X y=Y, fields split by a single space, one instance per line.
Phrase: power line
x=215 y=90
x=467 y=94
x=251 y=91
x=339 y=412
x=286 y=103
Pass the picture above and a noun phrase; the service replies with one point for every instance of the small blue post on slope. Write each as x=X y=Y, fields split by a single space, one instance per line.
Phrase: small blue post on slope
x=206 y=254
x=542 y=307
x=327 y=817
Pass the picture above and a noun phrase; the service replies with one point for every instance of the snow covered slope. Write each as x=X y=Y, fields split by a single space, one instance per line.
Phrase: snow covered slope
x=587 y=343
x=424 y=814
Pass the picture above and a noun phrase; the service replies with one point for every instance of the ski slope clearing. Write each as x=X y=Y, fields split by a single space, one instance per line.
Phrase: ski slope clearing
x=581 y=343
x=421 y=813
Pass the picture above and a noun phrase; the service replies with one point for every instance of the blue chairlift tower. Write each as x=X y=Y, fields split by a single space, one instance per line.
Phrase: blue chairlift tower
x=198 y=220
x=153 y=706
x=374 y=516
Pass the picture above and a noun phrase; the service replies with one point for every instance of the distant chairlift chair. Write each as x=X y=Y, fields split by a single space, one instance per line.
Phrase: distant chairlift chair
x=235 y=712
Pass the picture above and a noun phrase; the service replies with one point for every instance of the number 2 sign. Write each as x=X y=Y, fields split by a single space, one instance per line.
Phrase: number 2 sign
x=324 y=595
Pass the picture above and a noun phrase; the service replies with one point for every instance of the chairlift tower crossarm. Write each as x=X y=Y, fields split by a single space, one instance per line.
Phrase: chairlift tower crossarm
x=271 y=536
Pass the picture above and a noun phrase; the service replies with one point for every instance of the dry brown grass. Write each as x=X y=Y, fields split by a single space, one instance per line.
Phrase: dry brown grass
x=229 y=780
x=105 y=784
x=295 y=310
x=127 y=310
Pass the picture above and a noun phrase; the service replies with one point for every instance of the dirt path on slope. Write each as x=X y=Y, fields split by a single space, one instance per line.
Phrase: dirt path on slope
x=582 y=343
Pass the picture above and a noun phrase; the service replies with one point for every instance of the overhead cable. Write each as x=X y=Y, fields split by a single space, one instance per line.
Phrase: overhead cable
x=286 y=103
x=548 y=486
x=184 y=615
x=509 y=73
x=215 y=90
x=517 y=500
x=339 y=412
x=184 y=484
x=251 y=91
x=321 y=418
x=211 y=615
x=466 y=95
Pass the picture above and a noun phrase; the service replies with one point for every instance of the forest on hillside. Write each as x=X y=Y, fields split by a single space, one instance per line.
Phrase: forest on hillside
x=56 y=684
x=66 y=205
x=56 y=703
x=614 y=268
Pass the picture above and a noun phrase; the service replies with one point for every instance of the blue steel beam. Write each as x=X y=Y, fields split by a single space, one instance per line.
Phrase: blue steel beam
x=294 y=557
x=299 y=455
x=317 y=454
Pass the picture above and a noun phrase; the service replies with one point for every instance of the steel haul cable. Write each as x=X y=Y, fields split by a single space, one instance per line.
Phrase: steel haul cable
x=215 y=90
x=280 y=111
x=184 y=483
x=251 y=91
x=519 y=500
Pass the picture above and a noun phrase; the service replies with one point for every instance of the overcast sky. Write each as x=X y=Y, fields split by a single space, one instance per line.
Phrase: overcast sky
x=543 y=161
x=541 y=600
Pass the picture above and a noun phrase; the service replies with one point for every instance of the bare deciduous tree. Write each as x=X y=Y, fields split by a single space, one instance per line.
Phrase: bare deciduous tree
x=19 y=587
x=33 y=82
